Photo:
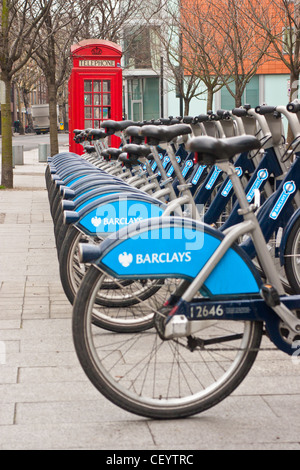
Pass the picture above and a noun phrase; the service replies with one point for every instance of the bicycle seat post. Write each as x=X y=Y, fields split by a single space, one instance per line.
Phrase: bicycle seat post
x=165 y=181
x=183 y=187
x=248 y=212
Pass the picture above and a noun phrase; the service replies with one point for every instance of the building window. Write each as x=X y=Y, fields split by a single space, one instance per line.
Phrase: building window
x=141 y=47
x=143 y=98
x=250 y=95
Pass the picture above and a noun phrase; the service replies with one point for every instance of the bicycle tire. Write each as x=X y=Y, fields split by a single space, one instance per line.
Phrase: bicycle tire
x=292 y=257
x=127 y=368
x=111 y=295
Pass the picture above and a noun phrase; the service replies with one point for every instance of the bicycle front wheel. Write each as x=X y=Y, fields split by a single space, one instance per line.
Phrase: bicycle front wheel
x=159 y=379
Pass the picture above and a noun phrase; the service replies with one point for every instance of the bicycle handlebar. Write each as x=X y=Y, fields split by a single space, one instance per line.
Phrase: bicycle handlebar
x=201 y=118
x=293 y=107
x=264 y=109
x=188 y=120
x=223 y=113
x=240 y=112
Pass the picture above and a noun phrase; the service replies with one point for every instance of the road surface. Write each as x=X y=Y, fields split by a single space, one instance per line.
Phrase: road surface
x=32 y=141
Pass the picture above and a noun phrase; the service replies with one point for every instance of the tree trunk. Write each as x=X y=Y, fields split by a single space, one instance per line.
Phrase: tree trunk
x=186 y=106
x=210 y=96
x=6 y=124
x=53 y=116
x=20 y=116
x=238 y=99
x=27 y=106
x=294 y=86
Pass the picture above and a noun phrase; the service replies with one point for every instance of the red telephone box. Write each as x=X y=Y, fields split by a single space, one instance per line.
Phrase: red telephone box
x=95 y=87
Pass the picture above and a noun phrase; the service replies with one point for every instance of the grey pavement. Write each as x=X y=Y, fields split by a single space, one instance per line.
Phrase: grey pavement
x=46 y=401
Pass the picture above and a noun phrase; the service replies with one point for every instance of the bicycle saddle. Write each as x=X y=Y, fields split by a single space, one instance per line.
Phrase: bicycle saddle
x=114 y=126
x=97 y=134
x=111 y=153
x=156 y=134
x=138 y=150
x=128 y=161
x=209 y=150
x=133 y=131
x=89 y=149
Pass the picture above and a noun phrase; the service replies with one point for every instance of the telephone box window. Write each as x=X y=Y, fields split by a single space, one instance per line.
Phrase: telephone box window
x=87 y=85
x=97 y=86
x=106 y=100
x=105 y=113
x=106 y=86
x=97 y=102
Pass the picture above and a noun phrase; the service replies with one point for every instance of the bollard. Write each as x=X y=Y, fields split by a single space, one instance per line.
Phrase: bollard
x=18 y=157
x=44 y=152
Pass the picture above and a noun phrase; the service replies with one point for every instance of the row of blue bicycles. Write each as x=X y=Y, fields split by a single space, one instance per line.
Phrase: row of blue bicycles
x=180 y=253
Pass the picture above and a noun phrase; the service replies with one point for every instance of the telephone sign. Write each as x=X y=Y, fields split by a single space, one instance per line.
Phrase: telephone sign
x=95 y=87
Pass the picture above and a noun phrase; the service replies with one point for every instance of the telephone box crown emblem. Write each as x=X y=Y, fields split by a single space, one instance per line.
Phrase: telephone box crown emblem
x=97 y=51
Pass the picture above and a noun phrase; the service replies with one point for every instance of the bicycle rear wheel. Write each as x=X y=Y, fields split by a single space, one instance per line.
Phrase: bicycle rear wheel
x=112 y=295
x=292 y=257
x=159 y=379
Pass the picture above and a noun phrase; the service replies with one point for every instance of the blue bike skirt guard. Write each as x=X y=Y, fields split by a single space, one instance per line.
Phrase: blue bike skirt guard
x=110 y=213
x=176 y=247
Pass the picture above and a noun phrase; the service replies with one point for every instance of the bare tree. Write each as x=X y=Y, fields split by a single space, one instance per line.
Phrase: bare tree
x=199 y=49
x=20 y=22
x=25 y=81
x=243 y=48
x=52 y=53
x=182 y=71
x=228 y=52
x=106 y=19
x=279 y=22
x=70 y=21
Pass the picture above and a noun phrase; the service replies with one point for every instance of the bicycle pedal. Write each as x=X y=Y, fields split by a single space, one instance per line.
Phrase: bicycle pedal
x=270 y=295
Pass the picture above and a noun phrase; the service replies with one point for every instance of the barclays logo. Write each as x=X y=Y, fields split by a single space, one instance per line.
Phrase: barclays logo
x=262 y=175
x=96 y=221
x=125 y=259
x=288 y=188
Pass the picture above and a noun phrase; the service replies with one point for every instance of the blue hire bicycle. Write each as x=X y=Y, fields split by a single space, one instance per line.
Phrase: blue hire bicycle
x=207 y=334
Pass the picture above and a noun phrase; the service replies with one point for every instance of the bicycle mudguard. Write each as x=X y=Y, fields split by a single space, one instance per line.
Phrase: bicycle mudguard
x=88 y=196
x=74 y=176
x=112 y=212
x=67 y=167
x=64 y=156
x=174 y=247
x=87 y=183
